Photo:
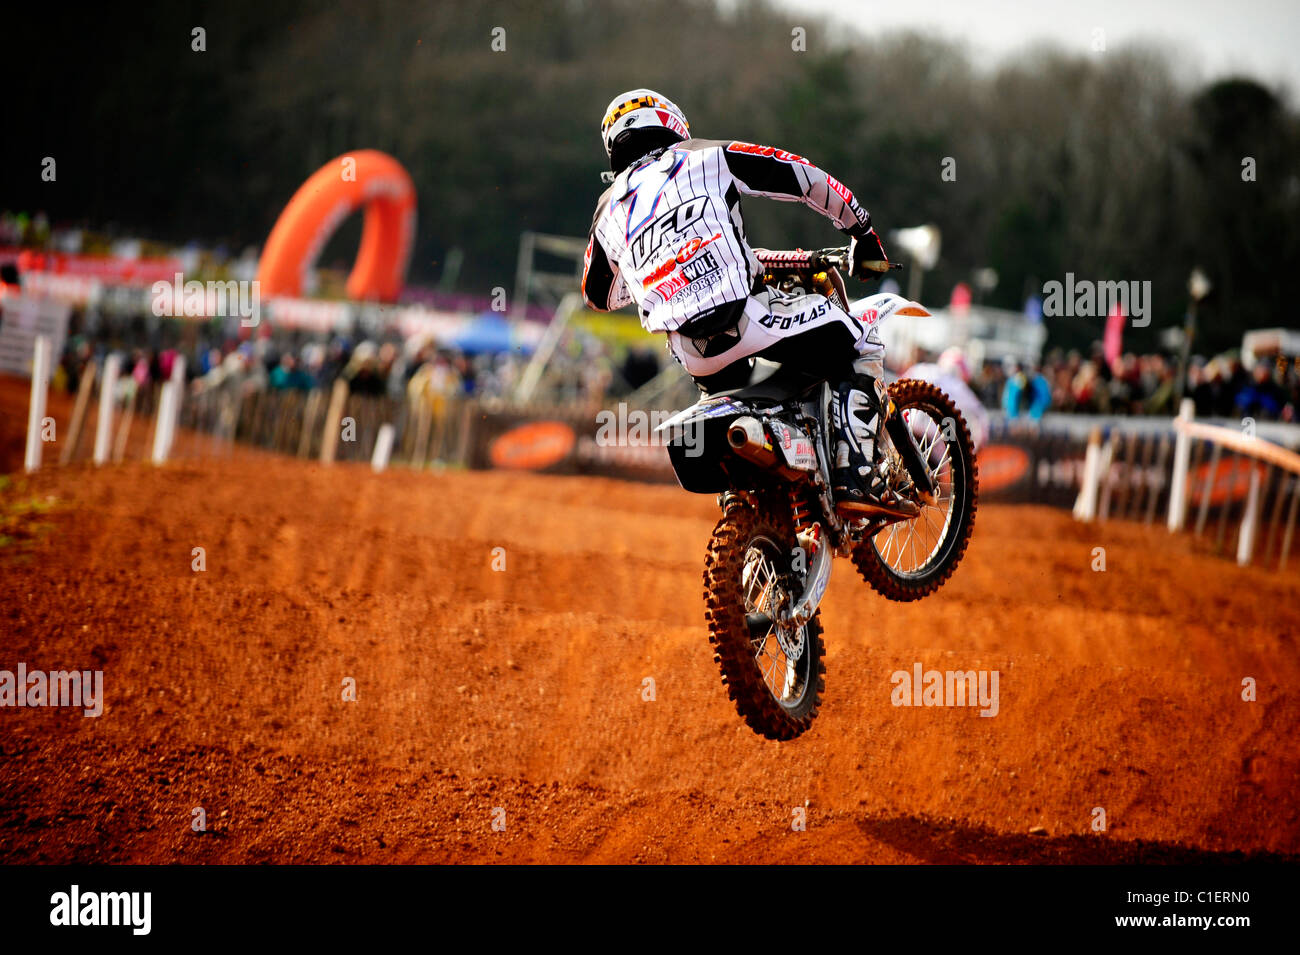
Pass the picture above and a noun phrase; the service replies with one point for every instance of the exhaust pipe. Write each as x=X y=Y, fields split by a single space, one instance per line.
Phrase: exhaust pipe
x=748 y=438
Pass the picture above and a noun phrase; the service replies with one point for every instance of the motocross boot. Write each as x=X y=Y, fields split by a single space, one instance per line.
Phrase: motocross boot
x=857 y=483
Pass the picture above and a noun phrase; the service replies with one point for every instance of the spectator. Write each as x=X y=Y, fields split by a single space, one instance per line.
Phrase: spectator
x=1261 y=396
x=1027 y=392
x=289 y=376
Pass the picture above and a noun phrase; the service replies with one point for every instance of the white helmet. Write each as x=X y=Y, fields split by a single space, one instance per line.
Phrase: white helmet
x=644 y=118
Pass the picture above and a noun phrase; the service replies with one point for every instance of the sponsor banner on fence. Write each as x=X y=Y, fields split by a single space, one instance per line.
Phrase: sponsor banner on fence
x=1036 y=468
x=1014 y=467
x=1018 y=465
x=1032 y=468
x=565 y=444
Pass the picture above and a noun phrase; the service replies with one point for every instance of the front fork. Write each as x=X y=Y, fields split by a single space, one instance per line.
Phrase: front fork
x=905 y=443
x=817 y=554
x=814 y=551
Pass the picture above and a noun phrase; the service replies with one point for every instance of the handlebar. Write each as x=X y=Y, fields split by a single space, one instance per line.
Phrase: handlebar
x=804 y=258
x=816 y=259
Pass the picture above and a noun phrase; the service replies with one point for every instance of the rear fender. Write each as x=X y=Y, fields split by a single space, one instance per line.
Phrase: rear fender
x=696 y=439
x=705 y=409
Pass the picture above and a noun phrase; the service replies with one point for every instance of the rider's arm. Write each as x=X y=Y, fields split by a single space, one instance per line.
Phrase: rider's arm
x=603 y=287
x=776 y=174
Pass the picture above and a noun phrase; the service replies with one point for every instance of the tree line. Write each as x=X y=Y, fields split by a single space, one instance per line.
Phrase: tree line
x=1111 y=165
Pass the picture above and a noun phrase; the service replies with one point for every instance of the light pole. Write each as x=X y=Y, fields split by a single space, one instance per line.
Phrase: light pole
x=921 y=243
x=1198 y=287
x=986 y=280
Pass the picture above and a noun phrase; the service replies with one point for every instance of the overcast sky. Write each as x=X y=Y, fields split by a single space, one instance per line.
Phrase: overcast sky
x=1255 y=37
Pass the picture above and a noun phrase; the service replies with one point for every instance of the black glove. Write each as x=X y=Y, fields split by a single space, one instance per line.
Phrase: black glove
x=867 y=256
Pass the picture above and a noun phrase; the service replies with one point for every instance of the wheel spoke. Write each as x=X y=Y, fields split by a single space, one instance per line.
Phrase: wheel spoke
x=764 y=591
x=910 y=550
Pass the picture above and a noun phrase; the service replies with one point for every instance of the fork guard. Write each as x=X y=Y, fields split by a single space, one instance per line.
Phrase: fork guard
x=819 y=575
x=905 y=443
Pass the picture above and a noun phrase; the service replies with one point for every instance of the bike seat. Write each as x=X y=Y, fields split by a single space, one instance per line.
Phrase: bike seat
x=782 y=384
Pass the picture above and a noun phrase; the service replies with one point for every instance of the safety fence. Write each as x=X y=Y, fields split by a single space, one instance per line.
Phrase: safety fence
x=1269 y=473
x=115 y=419
x=1232 y=486
x=330 y=425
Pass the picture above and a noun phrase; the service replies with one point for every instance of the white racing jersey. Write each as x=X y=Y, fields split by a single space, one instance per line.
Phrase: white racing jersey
x=669 y=236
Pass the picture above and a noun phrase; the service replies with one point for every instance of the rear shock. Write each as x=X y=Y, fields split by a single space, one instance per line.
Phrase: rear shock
x=807 y=532
x=801 y=512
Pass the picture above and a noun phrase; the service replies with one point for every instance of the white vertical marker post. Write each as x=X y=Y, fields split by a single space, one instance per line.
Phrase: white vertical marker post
x=161 y=422
x=178 y=394
x=333 y=417
x=107 y=386
x=169 y=412
x=36 y=408
x=1249 y=520
x=1182 y=460
x=383 y=447
x=1085 y=506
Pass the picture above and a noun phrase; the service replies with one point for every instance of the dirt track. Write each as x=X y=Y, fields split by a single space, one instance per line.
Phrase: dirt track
x=522 y=689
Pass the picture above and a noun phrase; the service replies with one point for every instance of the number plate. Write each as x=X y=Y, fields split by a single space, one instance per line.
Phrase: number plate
x=796 y=447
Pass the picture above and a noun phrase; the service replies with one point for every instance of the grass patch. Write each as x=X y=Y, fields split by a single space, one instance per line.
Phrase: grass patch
x=21 y=513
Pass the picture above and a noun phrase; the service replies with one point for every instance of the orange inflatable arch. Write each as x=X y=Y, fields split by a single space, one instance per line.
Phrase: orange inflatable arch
x=365 y=179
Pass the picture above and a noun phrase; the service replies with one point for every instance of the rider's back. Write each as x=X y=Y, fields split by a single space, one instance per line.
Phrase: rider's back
x=674 y=228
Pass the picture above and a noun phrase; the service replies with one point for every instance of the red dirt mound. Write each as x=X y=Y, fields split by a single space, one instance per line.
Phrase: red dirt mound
x=516 y=696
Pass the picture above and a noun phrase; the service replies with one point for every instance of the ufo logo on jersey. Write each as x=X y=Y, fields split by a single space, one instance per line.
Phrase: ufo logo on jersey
x=659 y=194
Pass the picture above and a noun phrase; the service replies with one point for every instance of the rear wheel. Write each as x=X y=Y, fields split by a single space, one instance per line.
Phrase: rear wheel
x=773 y=674
x=911 y=559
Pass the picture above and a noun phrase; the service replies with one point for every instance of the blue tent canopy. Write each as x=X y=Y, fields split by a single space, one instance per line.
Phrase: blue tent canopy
x=490 y=332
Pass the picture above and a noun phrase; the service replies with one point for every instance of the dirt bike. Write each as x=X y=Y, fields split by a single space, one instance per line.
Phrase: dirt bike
x=766 y=449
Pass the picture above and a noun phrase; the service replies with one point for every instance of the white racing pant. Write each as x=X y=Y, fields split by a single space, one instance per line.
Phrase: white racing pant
x=771 y=317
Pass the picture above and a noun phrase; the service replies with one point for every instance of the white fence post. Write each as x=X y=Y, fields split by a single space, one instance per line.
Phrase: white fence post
x=178 y=395
x=104 y=427
x=1085 y=506
x=1249 y=520
x=333 y=418
x=162 y=422
x=1258 y=454
x=383 y=447
x=36 y=408
x=169 y=411
x=1182 y=460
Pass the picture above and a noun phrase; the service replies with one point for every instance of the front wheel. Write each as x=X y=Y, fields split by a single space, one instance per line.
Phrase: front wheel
x=773 y=674
x=912 y=558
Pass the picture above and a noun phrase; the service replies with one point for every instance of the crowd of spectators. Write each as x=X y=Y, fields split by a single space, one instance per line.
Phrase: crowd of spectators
x=586 y=370
x=582 y=371
x=1268 y=390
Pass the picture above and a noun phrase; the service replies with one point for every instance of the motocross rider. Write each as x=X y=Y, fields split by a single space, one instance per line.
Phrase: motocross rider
x=668 y=235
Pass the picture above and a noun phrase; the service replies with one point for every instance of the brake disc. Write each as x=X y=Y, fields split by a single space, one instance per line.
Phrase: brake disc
x=791 y=642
